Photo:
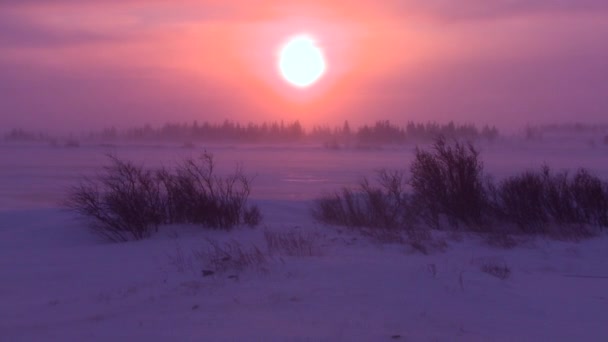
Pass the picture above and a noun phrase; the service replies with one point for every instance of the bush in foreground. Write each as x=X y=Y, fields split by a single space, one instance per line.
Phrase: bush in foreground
x=194 y=194
x=448 y=180
x=122 y=203
x=383 y=204
x=537 y=200
x=129 y=202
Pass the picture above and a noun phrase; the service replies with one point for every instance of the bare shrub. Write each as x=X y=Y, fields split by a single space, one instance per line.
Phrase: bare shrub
x=560 y=203
x=292 y=243
x=521 y=201
x=591 y=198
x=252 y=216
x=129 y=202
x=196 y=195
x=499 y=270
x=543 y=202
x=340 y=208
x=122 y=203
x=219 y=257
x=448 y=183
x=383 y=204
x=448 y=180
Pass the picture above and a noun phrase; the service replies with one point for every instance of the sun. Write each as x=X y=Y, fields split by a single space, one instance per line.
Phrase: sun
x=301 y=61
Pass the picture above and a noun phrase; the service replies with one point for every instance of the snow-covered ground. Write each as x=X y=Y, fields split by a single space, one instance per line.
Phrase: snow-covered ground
x=60 y=283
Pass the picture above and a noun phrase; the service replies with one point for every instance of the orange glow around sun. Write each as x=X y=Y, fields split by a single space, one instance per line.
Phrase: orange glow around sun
x=303 y=66
x=301 y=61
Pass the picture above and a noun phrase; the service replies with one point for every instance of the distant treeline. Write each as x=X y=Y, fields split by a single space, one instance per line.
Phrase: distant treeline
x=382 y=132
x=538 y=132
x=19 y=134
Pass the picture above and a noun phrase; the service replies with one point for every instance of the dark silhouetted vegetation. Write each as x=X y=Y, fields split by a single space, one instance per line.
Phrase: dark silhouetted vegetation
x=379 y=204
x=194 y=194
x=122 y=203
x=382 y=132
x=21 y=135
x=448 y=180
x=128 y=202
x=536 y=200
x=565 y=131
x=448 y=190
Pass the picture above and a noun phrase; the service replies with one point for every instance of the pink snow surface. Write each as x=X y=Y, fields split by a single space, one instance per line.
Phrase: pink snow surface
x=60 y=283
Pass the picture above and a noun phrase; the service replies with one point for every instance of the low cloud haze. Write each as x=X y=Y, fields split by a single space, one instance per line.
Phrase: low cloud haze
x=70 y=64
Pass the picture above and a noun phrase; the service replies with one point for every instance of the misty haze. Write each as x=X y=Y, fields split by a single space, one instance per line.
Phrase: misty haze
x=303 y=171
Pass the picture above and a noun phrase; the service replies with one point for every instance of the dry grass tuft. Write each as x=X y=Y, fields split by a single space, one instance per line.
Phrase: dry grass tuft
x=219 y=257
x=293 y=243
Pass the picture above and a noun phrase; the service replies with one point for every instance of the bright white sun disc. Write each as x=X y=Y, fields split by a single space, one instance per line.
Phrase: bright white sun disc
x=301 y=61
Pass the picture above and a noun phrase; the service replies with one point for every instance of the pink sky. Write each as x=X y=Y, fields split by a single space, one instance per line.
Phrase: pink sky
x=69 y=64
